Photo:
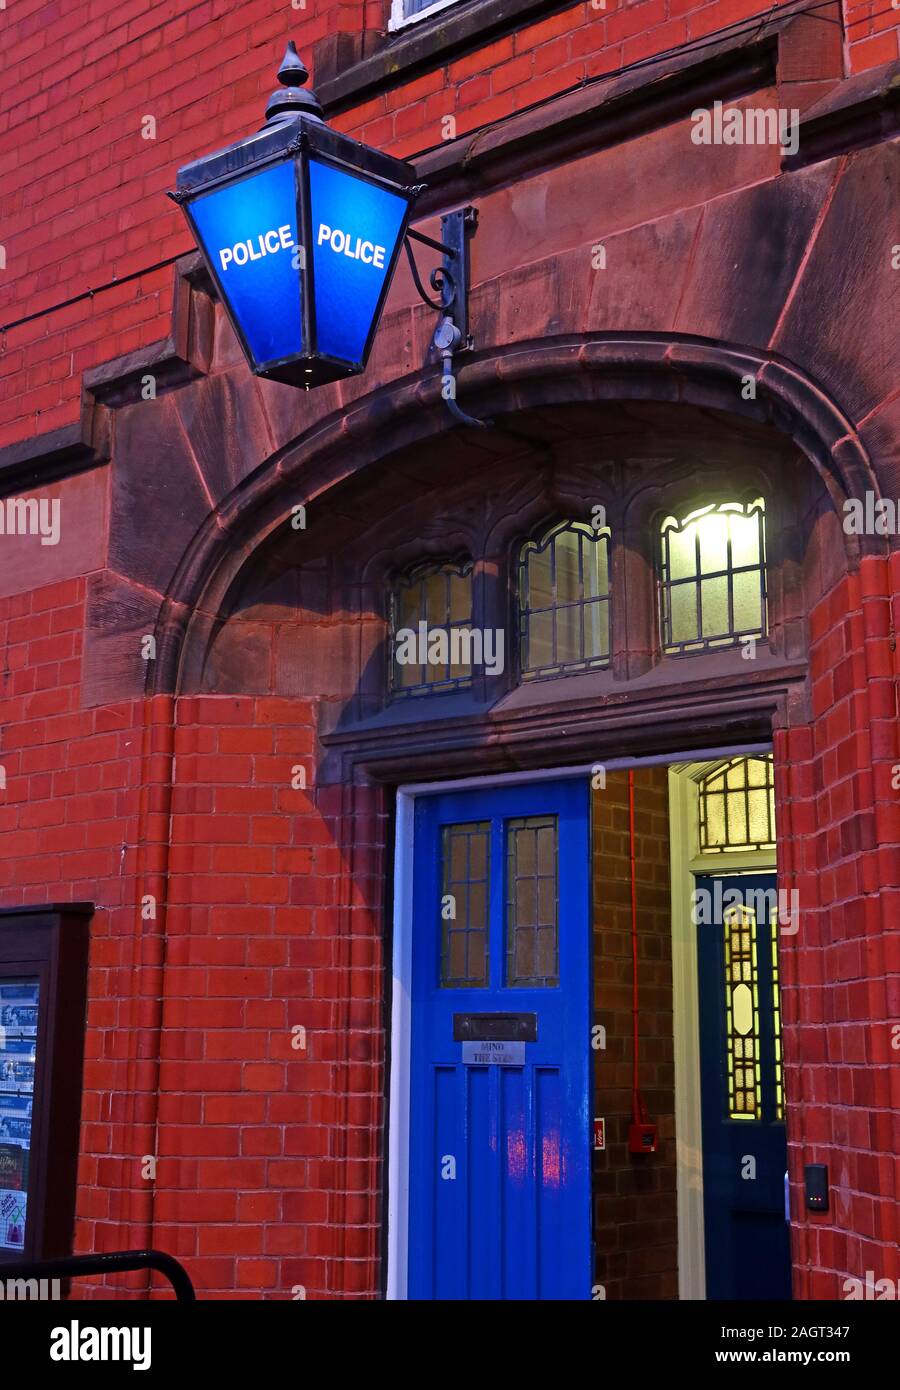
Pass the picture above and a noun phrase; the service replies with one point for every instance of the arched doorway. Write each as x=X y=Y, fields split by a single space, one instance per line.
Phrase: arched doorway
x=305 y=612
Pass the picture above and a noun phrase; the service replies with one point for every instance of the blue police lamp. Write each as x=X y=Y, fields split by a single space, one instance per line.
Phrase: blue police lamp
x=300 y=228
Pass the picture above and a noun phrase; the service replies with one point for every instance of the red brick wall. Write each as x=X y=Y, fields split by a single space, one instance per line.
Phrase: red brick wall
x=839 y=845
x=635 y=1217
x=539 y=61
x=269 y=1167
x=86 y=205
x=872 y=33
x=269 y=908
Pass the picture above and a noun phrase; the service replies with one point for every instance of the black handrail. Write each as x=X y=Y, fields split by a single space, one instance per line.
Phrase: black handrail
x=111 y=1262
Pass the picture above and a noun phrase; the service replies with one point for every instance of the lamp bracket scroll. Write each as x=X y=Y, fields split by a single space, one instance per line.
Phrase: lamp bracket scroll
x=450 y=282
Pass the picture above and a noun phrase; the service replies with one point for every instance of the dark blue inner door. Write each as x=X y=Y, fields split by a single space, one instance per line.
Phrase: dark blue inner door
x=742 y=1089
x=499 y=1127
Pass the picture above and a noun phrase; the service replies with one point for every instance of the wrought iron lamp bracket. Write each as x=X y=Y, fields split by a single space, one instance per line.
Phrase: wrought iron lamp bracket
x=450 y=281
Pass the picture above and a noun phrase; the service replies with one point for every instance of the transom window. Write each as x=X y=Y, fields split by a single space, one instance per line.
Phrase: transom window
x=431 y=611
x=736 y=807
x=564 y=601
x=712 y=578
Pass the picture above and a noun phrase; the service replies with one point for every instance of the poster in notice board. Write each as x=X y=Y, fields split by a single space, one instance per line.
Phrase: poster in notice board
x=18 y=1039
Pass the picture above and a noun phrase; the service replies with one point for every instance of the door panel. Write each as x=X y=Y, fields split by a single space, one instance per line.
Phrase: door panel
x=499 y=1151
x=742 y=1099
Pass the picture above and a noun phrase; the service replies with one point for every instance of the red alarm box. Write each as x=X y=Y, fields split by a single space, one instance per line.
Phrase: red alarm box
x=642 y=1139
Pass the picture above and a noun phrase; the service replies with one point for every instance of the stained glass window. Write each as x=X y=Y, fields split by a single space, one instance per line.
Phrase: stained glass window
x=564 y=601
x=736 y=806
x=713 y=577
x=430 y=616
x=742 y=1014
x=464 y=904
x=532 y=896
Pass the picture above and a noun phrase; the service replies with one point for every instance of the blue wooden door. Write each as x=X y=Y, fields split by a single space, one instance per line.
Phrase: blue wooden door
x=500 y=1050
x=742 y=1089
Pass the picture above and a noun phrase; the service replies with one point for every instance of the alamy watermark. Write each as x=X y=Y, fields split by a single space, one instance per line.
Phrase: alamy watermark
x=708 y=908
x=747 y=125
x=31 y=516
x=22 y=1290
x=871 y=1289
x=871 y=516
x=450 y=646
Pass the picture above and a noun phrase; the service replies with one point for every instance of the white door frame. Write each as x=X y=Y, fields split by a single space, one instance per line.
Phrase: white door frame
x=401 y=996
x=686 y=860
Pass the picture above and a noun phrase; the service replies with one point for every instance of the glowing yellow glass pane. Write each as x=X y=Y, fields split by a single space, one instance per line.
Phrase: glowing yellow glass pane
x=568 y=577
x=736 y=773
x=540 y=585
x=460 y=669
x=758 y=803
x=742 y=1006
x=714 y=596
x=409 y=601
x=595 y=574
x=744 y=531
x=460 y=598
x=540 y=639
x=757 y=772
x=682 y=554
x=596 y=629
x=436 y=598
x=737 y=818
x=713 y=533
x=568 y=634
x=683 y=602
x=715 y=821
x=747 y=600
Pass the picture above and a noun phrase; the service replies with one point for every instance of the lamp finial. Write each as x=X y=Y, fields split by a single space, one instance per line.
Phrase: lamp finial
x=291 y=99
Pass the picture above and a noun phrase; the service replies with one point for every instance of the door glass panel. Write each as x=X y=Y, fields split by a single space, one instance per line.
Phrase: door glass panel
x=532 y=902
x=742 y=1014
x=464 y=904
x=18 y=1037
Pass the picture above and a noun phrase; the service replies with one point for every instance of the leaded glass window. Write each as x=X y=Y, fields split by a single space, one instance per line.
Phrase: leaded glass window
x=742 y=1014
x=736 y=806
x=532 y=899
x=464 y=904
x=564 y=601
x=430 y=618
x=713 y=577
